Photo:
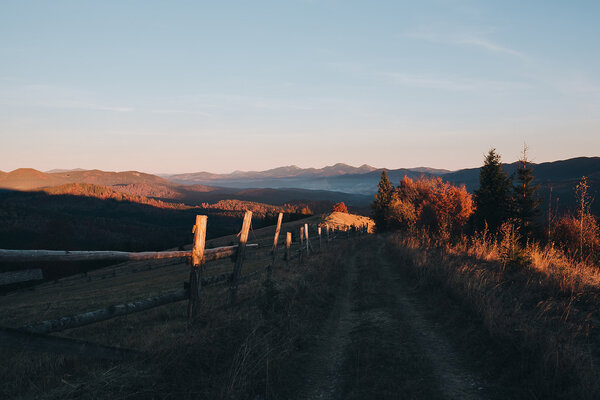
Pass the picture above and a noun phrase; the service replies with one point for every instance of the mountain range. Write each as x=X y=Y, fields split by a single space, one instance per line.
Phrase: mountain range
x=364 y=179
x=338 y=177
x=339 y=182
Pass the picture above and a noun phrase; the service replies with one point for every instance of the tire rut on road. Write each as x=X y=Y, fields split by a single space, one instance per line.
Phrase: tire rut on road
x=324 y=377
x=398 y=326
x=454 y=380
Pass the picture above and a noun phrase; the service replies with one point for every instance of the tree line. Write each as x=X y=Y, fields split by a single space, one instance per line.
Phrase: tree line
x=503 y=205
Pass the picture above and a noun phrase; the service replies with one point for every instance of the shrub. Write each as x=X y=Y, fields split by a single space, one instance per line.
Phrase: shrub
x=430 y=203
x=578 y=237
x=340 y=207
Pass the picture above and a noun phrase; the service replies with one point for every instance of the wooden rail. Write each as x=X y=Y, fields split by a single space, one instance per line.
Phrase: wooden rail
x=64 y=255
x=74 y=321
x=110 y=312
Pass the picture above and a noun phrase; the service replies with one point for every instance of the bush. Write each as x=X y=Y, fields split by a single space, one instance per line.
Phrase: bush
x=430 y=203
x=340 y=207
x=579 y=238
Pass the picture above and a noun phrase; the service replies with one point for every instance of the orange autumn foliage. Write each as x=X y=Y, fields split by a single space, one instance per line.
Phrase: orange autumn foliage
x=340 y=207
x=431 y=203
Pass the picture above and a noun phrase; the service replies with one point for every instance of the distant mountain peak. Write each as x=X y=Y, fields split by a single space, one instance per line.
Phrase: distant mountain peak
x=59 y=170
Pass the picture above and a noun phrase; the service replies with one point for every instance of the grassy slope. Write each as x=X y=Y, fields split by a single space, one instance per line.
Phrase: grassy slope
x=533 y=328
x=221 y=356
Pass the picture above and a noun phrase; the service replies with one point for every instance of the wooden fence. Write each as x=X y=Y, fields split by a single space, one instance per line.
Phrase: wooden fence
x=36 y=336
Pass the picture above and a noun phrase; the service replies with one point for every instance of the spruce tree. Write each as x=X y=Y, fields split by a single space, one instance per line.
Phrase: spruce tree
x=383 y=198
x=526 y=201
x=493 y=198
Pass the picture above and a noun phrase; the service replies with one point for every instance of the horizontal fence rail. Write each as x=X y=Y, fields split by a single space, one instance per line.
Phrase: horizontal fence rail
x=110 y=312
x=74 y=321
x=64 y=255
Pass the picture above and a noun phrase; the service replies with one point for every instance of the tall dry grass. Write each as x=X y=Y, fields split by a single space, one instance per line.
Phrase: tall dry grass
x=542 y=311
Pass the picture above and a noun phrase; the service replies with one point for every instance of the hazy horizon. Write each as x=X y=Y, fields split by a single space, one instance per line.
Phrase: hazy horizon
x=187 y=87
x=279 y=166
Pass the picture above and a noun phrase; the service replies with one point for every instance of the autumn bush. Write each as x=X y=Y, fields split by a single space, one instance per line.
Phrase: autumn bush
x=340 y=207
x=578 y=237
x=430 y=203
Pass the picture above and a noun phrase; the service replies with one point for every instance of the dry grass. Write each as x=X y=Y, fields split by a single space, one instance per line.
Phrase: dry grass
x=542 y=313
x=343 y=221
x=229 y=353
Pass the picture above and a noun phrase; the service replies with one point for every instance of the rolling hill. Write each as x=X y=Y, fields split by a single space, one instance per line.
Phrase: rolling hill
x=151 y=186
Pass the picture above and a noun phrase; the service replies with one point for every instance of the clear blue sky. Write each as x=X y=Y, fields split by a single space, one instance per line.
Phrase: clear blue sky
x=180 y=86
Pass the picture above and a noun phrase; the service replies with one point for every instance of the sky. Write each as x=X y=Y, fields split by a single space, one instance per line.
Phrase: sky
x=178 y=86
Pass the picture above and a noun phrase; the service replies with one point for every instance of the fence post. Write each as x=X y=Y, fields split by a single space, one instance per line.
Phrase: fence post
x=288 y=244
x=239 y=261
x=274 y=249
x=307 y=240
x=327 y=231
x=301 y=244
x=199 y=231
x=319 y=232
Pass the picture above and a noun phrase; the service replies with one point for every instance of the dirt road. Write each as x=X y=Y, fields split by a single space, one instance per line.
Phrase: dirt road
x=379 y=342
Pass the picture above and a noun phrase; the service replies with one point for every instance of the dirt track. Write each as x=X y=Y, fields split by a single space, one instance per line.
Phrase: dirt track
x=379 y=342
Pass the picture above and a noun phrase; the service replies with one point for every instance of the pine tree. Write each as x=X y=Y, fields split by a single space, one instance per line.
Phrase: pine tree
x=526 y=201
x=381 y=204
x=492 y=199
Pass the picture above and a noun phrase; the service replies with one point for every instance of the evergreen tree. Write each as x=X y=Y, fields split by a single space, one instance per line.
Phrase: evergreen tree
x=526 y=201
x=493 y=198
x=381 y=204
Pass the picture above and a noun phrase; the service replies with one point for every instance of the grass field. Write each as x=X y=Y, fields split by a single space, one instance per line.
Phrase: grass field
x=154 y=331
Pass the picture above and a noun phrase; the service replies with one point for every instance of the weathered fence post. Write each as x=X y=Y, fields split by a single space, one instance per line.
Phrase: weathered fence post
x=327 y=231
x=319 y=232
x=288 y=244
x=307 y=240
x=301 y=244
x=239 y=261
x=274 y=249
x=199 y=231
